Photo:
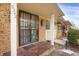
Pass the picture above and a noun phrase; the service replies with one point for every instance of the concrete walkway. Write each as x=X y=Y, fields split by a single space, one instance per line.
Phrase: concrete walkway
x=63 y=52
x=59 y=53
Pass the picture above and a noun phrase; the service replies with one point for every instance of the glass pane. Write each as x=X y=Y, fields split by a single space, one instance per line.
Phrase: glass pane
x=33 y=22
x=21 y=19
x=27 y=36
x=27 y=21
x=24 y=36
x=37 y=35
x=24 y=26
x=37 y=23
x=47 y=24
x=33 y=36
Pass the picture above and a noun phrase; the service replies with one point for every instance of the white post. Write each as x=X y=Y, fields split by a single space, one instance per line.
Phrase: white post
x=52 y=29
x=13 y=28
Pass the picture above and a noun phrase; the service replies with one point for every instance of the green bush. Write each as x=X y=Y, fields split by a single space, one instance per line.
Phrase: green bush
x=73 y=36
x=78 y=41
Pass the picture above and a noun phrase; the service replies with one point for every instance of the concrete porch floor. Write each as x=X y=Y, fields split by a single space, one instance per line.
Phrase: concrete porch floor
x=34 y=49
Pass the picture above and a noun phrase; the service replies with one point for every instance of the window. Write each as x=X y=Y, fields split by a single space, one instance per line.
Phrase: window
x=47 y=24
x=28 y=28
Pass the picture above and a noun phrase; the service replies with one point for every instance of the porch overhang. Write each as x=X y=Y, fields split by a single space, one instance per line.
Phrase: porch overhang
x=41 y=9
x=60 y=20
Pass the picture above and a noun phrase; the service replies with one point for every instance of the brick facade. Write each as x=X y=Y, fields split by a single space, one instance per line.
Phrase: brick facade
x=4 y=28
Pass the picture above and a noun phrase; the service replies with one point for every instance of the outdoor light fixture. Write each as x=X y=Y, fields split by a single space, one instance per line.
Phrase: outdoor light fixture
x=41 y=22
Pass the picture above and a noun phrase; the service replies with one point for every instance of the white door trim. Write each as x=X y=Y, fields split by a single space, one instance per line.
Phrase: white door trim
x=50 y=34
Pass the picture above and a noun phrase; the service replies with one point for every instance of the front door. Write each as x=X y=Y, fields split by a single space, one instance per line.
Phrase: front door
x=29 y=25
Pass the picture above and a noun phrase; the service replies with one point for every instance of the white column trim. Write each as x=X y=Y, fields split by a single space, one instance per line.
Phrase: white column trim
x=53 y=29
x=13 y=29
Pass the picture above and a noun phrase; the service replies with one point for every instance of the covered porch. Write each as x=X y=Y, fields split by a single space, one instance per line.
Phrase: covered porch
x=47 y=17
x=36 y=28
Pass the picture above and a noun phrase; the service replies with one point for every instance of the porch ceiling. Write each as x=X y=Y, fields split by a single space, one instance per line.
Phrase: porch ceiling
x=41 y=9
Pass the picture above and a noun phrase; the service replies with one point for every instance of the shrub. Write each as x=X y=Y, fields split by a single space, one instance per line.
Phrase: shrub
x=73 y=36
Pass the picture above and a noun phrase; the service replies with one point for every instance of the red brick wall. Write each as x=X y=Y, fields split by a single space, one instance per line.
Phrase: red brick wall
x=59 y=35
